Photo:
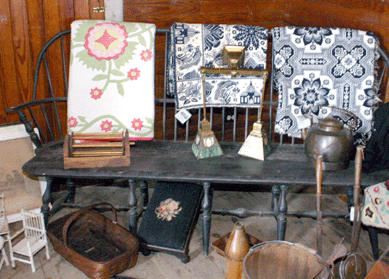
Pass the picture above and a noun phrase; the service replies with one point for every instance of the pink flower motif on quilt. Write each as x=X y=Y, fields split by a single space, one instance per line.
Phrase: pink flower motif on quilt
x=137 y=124
x=133 y=74
x=146 y=55
x=376 y=189
x=106 y=41
x=72 y=122
x=96 y=93
x=106 y=126
x=387 y=185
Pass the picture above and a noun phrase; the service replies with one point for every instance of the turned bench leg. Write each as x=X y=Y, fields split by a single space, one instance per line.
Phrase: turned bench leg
x=46 y=199
x=144 y=189
x=71 y=187
x=279 y=207
x=132 y=202
x=281 y=217
x=206 y=216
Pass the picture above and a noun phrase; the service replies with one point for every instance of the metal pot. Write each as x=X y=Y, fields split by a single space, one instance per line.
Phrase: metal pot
x=332 y=140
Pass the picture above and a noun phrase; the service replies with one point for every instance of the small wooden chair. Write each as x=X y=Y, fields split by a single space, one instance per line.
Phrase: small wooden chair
x=34 y=240
x=4 y=257
x=4 y=228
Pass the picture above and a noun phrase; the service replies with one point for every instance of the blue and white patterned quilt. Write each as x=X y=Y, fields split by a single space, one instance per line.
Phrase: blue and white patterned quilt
x=195 y=45
x=324 y=67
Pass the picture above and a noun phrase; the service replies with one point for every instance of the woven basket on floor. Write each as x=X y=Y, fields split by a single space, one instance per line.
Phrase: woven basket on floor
x=93 y=243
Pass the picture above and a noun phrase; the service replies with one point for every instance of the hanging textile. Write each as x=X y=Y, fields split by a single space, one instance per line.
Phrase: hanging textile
x=195 y=45
x=324 y=67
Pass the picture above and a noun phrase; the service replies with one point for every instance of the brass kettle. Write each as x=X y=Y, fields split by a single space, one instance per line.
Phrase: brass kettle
x=332 y=140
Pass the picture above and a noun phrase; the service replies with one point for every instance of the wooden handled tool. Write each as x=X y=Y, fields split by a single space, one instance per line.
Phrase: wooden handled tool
x=357 y=202
x=354 y=266
x=319 y=178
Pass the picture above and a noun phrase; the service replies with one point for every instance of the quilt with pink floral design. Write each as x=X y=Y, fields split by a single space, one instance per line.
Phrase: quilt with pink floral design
x=376 y=207
x=111 y=78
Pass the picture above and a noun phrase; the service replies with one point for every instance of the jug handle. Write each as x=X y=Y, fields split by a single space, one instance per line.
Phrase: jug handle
x=349 y=113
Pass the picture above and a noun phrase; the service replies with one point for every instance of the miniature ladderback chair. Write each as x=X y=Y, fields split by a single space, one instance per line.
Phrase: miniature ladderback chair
x=34 y=240
x=4 y=257
x=4 y=231
x=4 y=228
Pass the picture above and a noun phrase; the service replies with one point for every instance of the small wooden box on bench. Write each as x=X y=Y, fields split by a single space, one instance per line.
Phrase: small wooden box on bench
x=90 y=150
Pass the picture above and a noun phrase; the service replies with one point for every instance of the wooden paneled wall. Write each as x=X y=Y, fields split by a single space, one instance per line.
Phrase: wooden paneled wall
x=369 y=15
x=164 y=12
x=27 y=24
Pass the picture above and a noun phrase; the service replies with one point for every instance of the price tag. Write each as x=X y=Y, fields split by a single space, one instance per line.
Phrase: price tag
x=352 y=213
x=183 y=116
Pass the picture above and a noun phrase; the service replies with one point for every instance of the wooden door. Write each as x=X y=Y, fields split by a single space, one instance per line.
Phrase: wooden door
x=26 y=26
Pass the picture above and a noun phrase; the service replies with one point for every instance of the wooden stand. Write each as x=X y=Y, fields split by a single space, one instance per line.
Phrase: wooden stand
x=90 y=150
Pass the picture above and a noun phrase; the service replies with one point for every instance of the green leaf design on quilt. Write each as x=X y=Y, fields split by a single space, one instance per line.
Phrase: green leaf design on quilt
x=83 y=28
x=82 y=119
x=142 y=40
x=100 y=77
x=131 y=28
x=120 y=89
x=92 y=63
x=117 y=73
x=127 y=56
x=71 y=58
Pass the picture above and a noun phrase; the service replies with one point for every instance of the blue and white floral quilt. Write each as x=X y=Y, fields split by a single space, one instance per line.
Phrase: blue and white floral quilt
x=324 y=67
x=195 y=45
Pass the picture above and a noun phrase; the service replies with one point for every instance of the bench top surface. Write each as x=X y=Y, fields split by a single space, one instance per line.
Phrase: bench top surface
x=174 y=161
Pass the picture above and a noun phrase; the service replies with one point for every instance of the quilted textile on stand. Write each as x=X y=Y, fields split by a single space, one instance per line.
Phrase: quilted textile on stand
x=193 y=46
x=324 y=67
x=111 y=80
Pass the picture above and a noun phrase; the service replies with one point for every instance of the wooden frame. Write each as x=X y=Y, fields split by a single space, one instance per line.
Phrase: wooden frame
x=16 y=148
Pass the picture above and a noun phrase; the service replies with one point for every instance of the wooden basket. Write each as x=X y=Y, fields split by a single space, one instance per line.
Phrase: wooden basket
x=93 y=243
x=282 y=259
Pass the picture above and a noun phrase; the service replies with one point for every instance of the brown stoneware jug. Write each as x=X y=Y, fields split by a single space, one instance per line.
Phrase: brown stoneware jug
x=237 y=247
x=332 y=140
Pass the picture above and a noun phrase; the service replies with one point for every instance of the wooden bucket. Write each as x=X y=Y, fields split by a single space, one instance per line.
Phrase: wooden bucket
x=281 y=259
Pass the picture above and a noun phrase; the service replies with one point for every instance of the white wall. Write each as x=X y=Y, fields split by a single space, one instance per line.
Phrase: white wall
x=114 y=10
